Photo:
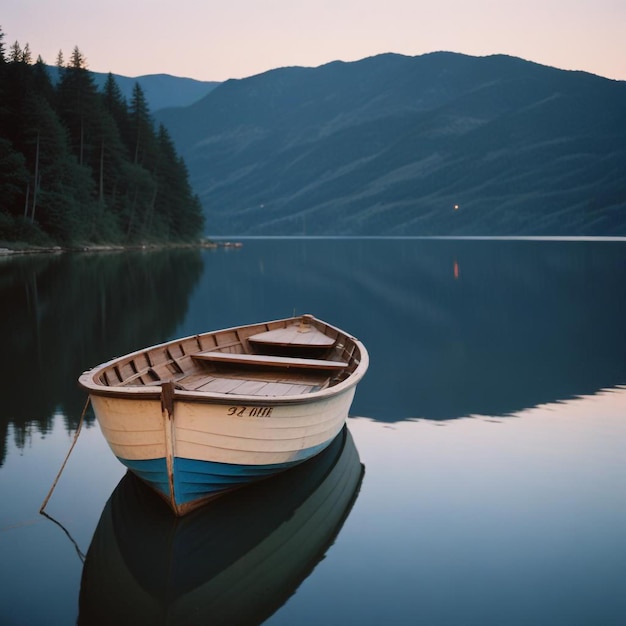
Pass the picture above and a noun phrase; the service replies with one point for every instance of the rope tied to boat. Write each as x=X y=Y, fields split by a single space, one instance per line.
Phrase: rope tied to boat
x=78 y=429
x=42 y=511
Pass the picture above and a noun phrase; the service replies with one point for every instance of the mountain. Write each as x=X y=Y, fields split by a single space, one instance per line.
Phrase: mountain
x=161 y=90
x=438 y=144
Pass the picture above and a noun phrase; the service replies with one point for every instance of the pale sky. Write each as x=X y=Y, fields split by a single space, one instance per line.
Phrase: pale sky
x=221 y=39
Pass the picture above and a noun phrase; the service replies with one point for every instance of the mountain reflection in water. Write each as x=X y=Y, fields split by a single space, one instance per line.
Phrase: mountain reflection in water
x=234 y=561
x=453 y=327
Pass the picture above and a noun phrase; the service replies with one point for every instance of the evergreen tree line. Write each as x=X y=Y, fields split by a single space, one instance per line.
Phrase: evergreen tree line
x=80 y=165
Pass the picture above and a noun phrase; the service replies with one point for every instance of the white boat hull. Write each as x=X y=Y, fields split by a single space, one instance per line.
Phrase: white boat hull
x=191 y=446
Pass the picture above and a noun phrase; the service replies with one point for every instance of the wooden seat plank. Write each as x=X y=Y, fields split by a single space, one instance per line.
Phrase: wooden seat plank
x=270 y=361
x=273 y=390
x=195 y=381
x=248 y=388
x=296 y=390
x=221 y=385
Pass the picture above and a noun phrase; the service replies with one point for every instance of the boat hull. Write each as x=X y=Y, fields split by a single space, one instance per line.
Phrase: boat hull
x=195 y=451
x=202 y=415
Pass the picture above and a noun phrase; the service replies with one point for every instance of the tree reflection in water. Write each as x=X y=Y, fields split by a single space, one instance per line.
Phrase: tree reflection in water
x=64 y=313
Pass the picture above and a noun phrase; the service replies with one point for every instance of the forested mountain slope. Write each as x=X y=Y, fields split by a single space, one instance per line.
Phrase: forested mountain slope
x=81 y=165
x=439 y=144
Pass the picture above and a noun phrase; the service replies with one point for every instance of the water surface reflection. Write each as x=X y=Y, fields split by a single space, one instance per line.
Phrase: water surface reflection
x=235 y=561
x=453 y=327
x=68 y=312
x=512 y=515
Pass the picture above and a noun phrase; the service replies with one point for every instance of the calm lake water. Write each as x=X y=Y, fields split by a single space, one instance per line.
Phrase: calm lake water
x=482 y=479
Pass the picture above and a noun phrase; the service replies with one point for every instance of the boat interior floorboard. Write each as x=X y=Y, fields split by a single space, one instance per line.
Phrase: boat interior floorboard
x=253 y=383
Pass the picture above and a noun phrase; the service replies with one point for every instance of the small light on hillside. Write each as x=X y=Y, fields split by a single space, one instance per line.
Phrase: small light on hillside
x=456 y=207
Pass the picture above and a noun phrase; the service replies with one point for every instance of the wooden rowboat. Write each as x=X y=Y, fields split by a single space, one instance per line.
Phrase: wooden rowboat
x=206 y=414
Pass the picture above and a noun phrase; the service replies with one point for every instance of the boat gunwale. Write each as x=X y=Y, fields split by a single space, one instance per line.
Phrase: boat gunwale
x=87 y=380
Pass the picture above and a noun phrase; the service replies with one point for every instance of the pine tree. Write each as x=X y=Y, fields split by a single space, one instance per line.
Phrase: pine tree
x=143 y=138
x=2 y=47
x=114 y=101
x=41 y=81
x=178 y=209
x=15 y=53
x=113 y=181
x=78 y=102
x=27 y=56
x=45 y=144
x=3 y=68
x=145 y=156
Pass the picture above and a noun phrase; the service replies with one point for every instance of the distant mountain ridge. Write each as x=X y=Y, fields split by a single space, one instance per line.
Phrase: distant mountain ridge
x=438 y=144
x=161 y=90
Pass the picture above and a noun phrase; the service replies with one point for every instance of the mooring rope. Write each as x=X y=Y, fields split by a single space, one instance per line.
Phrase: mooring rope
x=80 y=425
x=80 y=553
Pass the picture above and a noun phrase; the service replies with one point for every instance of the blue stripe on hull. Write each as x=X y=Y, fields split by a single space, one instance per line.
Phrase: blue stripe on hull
x=194 y=479
x=152 y=471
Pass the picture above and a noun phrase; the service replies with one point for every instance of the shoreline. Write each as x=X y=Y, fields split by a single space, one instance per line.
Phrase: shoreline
x=8 y=251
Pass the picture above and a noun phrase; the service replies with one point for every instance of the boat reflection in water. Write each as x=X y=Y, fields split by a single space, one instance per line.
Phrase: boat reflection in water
x=235 y=561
